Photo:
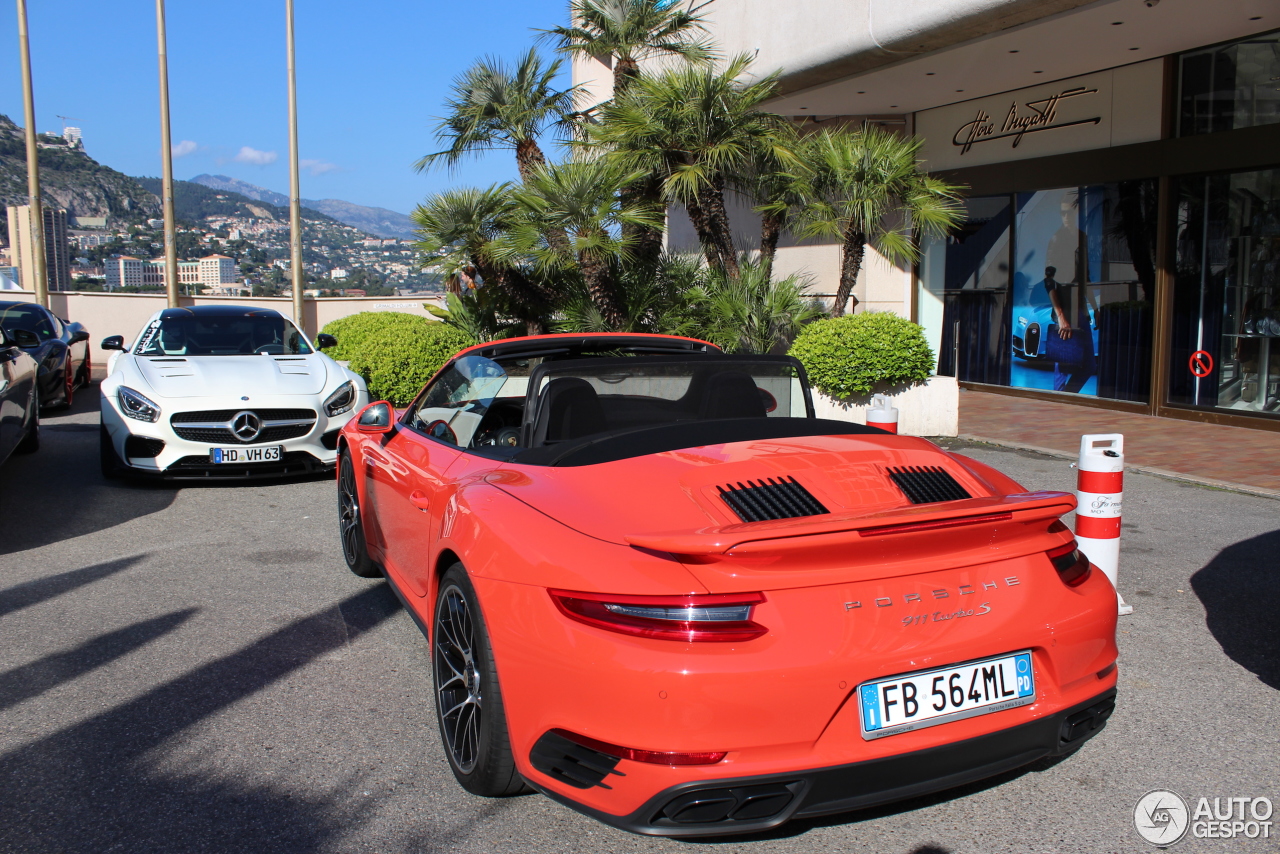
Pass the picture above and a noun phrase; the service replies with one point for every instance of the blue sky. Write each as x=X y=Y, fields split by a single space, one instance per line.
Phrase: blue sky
x=372 y=77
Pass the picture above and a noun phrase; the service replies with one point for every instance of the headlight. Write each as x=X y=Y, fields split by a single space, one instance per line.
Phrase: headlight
x=342 y=399
x=137 y=406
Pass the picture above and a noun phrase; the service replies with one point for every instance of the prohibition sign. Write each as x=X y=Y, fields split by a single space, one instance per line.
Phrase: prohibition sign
x=1201 y=363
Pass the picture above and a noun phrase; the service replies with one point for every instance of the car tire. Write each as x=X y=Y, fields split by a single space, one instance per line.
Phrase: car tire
x=473 y=724
x=351 y=524
x=112 y=466
x=31 y=442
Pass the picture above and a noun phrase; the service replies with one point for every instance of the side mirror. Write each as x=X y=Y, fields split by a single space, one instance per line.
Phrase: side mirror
x=24 y=338
x=375 y=418
x=79 y=335
x=325 y=341
x=113 y=342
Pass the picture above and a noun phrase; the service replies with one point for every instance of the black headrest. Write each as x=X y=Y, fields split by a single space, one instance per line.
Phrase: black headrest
x=570 y=409
x=732 y=394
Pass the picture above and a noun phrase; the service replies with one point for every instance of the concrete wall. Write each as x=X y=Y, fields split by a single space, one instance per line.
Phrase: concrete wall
x=105 y=314
x=881 y=286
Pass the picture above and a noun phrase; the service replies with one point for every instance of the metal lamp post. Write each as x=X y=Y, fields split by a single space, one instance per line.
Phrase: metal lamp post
x=295 y=192
x=166 y=164
x=39 y=263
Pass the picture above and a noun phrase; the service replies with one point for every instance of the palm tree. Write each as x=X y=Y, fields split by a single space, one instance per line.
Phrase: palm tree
x=581 y=200
x=866 y=187
x=694 y=128
x=750 y=312
x=631 y=31
x=466 y=231
x=779 y=192
x=496 y=106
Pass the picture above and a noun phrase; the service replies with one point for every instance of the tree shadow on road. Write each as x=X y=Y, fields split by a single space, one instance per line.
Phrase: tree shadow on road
x=94 y=786
x=1240 y=591
x=30 y=593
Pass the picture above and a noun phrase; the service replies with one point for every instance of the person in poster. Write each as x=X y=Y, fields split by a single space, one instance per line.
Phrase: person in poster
x=1053 y=339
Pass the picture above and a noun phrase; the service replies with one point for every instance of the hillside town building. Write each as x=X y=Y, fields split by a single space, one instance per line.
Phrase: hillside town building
x=57 y=251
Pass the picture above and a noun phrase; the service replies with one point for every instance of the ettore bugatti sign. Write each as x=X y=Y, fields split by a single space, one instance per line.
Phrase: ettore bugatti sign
x=1119 y=106
x=1037 y=115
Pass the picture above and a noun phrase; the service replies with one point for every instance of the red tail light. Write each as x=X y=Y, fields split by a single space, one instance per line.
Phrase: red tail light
x=653 y=757
x=1073 y=567
x=697 y=617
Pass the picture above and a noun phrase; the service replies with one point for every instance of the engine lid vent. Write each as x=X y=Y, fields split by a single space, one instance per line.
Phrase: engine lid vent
x=927 y=484
x=771 y=499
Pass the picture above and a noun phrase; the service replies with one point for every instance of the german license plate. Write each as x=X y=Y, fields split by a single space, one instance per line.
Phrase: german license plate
x=918 y=700
x=263 y=454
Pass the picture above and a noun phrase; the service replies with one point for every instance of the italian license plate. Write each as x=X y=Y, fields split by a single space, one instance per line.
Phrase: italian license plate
x=264 y=454
x=918 y=700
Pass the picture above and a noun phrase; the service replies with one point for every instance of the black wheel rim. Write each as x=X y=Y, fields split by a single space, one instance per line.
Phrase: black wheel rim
x=349 y=513
x=458 y=684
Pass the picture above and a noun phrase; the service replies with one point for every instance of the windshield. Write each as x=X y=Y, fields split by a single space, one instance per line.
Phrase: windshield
x=28 y=317
x=515 y=403
x=222 y=336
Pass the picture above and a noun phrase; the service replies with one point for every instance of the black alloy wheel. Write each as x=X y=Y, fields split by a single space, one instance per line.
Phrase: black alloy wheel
x=31 y=442
x=473 y=725
x=350 y=527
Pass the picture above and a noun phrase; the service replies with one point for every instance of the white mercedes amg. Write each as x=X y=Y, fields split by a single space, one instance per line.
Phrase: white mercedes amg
x=223 y=391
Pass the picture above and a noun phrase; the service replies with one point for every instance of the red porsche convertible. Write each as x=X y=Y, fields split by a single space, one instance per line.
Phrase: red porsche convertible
x=659 y=590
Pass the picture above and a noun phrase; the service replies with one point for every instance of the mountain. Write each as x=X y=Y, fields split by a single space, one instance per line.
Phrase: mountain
x=70 y=179
x=193 y=202
x=379 y=221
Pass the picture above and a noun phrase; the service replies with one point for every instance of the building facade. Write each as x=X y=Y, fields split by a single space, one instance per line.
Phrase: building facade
x=57 y=250
x=211 y=272
x=1121 y=242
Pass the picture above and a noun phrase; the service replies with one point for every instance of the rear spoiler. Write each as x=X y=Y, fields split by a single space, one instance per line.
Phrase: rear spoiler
x=792 y=533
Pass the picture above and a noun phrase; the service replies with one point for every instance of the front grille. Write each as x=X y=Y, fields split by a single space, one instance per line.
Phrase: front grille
x=142 y=447
x=770 y=499
x=927 y=484
x=228 y=414
x=223 y=435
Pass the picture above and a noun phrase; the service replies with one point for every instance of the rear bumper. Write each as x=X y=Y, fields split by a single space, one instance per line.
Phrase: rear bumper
x=752 y=804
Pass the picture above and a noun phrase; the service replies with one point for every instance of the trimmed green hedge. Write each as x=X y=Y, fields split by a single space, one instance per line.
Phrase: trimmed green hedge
x=851 y=355
x=353 y=330
x=396 y=362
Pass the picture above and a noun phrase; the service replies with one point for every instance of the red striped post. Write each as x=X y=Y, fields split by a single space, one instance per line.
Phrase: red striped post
x=1099 y=497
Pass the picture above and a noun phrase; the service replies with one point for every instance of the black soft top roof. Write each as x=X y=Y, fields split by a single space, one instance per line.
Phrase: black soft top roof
x=219 y=311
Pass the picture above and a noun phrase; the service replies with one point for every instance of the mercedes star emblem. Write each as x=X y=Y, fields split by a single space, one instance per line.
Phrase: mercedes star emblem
x=246 y=425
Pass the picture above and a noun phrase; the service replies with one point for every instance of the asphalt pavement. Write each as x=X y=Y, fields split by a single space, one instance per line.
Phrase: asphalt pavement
x=194 y=669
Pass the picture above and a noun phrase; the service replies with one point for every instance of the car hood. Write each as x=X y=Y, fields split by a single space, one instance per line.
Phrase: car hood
x=213 y=376
x=680 y=491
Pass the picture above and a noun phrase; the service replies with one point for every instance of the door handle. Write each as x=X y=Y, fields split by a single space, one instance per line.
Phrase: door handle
x=420 y=499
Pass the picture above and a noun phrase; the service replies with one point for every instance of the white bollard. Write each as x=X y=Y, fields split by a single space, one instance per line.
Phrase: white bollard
x=1099 y=494
x=882 y=414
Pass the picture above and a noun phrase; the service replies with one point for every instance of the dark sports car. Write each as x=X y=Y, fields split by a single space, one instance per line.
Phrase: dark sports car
x=62 y=349
x=19 y=396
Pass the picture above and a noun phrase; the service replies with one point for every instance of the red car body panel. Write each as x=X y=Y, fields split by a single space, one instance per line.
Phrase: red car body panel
x=849 y=597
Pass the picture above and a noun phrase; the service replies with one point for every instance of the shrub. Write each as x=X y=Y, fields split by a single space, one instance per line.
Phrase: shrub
x=851 y=355
x=354 y=330
x=396 y=363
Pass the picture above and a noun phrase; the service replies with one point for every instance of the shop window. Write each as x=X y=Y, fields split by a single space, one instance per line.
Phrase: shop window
x=1048 y=290
x=1083 y=282
x=965 y=291
x=1230 y=86
x=1225 y=347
